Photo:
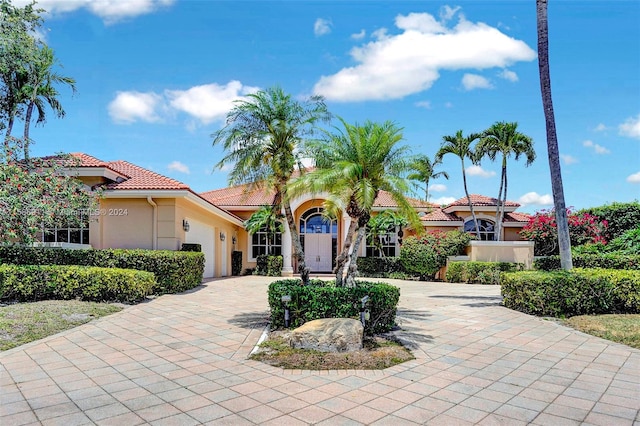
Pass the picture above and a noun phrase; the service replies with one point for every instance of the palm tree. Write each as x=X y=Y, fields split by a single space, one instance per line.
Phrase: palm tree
x=564 y=241
x=39 y=89
x=353 y=165
x=504 y=138
x=423 y=171
x=268 y=220
x=263 y=139
x=380 y=225
x=460 y=146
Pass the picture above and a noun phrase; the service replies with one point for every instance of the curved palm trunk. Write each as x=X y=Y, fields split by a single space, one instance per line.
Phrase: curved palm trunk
x=466 y=192
x=353 y=263
x=27 y=124
x=342 y=258
x=552 y=138
x=298 y=252
x=7 y=135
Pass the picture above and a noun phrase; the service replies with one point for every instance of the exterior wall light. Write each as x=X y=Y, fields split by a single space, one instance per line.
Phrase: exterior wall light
x=285 y=300
x=185 y=225
x=222 y=236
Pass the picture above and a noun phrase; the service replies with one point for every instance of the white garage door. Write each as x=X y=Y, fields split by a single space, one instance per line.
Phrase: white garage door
x=200 y=233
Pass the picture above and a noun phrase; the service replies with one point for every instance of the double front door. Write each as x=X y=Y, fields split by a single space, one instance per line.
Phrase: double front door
x=317 y=252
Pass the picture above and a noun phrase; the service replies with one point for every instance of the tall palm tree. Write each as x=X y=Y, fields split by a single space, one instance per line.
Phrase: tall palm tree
x=38 y=89
x=504 y=138
x=353 y=165
x=263 y=139
x=460 y=146
x=423 y=171
x=564 y=241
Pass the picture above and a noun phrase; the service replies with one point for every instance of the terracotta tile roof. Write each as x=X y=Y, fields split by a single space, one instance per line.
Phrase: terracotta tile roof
x=480 y=200
x=140 y=178
x=87 y=160
x=516 y=217
x=241 y=195
x=440 y=216
x=384 y=199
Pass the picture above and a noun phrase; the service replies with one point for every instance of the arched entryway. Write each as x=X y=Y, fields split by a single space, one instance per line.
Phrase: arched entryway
x=319 y=238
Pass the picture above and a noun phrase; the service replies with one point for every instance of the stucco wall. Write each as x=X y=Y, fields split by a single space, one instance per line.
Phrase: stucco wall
x=123 y=223
x=502 y=251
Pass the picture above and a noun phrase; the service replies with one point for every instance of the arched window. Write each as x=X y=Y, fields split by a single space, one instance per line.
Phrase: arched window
x=487 y=229
x=313 y=222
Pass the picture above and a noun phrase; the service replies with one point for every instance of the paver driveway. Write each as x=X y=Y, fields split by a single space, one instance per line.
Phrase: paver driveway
x=181 y=359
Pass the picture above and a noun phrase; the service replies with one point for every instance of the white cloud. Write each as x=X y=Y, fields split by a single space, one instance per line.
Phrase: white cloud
x=598 y=149
x=128 y=107
x=437 y=187
x=631 y=127
x=448 y=105
x=322 y=27
x=508 y=75
x=568 y=159
x=396 y=65
x=634 y=178
x=479 y=171
x=600 y=128
x=475 y=81
x=177 y=166
x=206 y=103
x=423 y=104
x=442 y=200
x=448 y=12
x=110 y=11
x=359 y=36
x=533 y=198
x=209 y=102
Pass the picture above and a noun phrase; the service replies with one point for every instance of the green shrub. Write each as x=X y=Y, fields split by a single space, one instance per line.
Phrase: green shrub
x=322 y=299
x=191 y=247
x=274 y=266
x=627 y=243
x=575 y=292
x=606 y=261
x=424 y=256
x=379 y=267
x=27 y=283
x=479 y=272
x=261 y=264
x=620 y=217
x=175 y=271
x=236 y=263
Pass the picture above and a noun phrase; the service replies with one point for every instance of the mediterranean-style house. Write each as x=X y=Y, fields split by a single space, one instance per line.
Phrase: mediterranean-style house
x=140 y=208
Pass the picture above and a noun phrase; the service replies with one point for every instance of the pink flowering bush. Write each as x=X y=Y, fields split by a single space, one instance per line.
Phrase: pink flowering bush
x=542 y=229
x=424 y=256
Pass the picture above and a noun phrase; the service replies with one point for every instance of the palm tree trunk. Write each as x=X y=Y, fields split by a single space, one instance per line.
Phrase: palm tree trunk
x=496 y=230
x=426 y=190
x=466 y=192
x=552 y=138
x=503 y=202
x=27 y=124
x=353 y=263
x=7 y=135
x=342 y=258
x=298 y=252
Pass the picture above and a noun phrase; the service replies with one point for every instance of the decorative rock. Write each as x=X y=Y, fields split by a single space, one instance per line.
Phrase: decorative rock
x=328 y=335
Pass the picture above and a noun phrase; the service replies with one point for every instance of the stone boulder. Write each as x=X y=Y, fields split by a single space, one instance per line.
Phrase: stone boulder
x=328 y=335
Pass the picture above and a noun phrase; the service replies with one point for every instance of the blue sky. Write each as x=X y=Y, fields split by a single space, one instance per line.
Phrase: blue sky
x=156 y=77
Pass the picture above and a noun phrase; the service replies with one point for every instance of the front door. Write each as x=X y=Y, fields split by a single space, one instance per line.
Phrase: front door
x=317 y=252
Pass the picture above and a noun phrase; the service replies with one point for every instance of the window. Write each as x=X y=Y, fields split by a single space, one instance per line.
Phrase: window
x=487 y=231
x=78 y=233
x=262 y=243
x=386 y=245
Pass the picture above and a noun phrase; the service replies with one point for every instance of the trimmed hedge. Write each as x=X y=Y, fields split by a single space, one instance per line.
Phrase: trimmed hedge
x=236 y=263
x=575 y=292
x=175 y=271
x=27 y=283
x=322 y=299
x=269 y=265
x=606 y=261
x=379 y=267
x=479 y=272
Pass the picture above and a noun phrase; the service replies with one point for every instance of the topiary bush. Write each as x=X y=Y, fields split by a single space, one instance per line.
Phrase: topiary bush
x=175 y=271
x=479 y=272
x=274 y=266
x=28 y=283
x=379 y=267
x=424 y=256
x=236 y=263
x=322 y=299
x=575 y=292
x=606 y=261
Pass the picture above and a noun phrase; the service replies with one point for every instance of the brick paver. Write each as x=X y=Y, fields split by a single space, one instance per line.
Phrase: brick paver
x=182 y=359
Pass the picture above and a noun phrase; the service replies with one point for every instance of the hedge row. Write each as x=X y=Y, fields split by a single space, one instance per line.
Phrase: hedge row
x=606 y=261
x=269 y=265
x=322 y=299
x=575 y=292
x=27 y=283
x=479 y=272
x=175 y=271
x=379 y=267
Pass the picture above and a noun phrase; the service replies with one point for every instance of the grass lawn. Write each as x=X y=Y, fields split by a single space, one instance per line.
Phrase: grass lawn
x=623 y=329
x=22 y=323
